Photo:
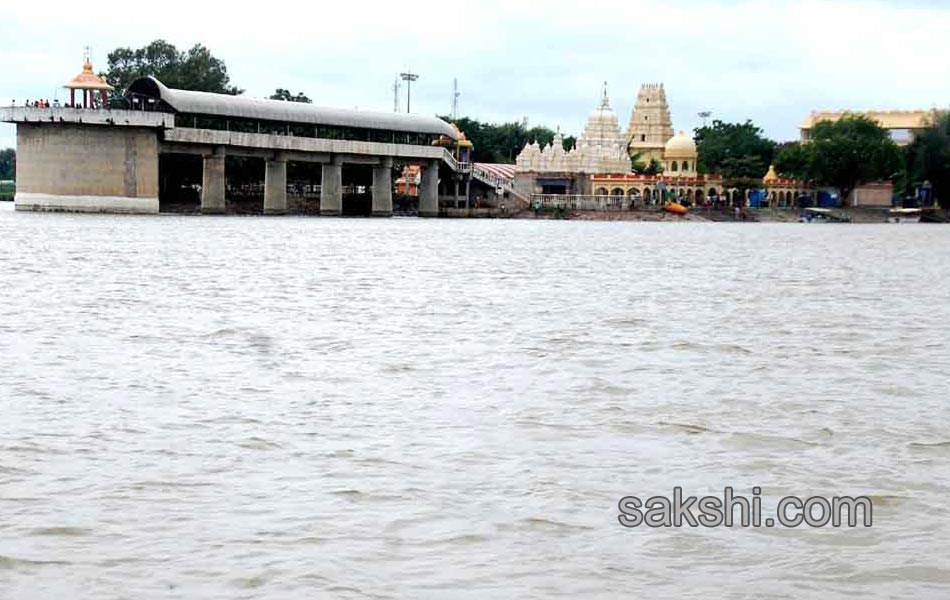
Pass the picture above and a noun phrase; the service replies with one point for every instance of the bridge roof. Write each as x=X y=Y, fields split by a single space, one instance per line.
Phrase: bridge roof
x=224 y=105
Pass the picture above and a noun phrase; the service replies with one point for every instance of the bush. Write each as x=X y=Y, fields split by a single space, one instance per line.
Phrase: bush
x=6 y=192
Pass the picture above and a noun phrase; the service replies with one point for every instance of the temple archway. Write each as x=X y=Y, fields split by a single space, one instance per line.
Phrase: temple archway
x=601 y=192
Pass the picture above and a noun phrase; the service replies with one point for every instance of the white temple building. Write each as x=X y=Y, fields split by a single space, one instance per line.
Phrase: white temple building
x=601 y=148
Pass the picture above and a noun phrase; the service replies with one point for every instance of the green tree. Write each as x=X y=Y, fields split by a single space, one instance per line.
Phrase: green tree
x=282 y=94
x=928 y=159
x=640 y=168
x=851 y=152
x=195 y=69
x=793 y=160
x=7 y=164
x=739 y=152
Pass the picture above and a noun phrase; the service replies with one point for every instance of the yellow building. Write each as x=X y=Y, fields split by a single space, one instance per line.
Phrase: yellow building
x=783 y=192
x=680 y=156
x=651 y=125
x=903 y=125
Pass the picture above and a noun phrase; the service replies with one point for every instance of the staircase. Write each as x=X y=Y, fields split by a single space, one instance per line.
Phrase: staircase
x=502 y=185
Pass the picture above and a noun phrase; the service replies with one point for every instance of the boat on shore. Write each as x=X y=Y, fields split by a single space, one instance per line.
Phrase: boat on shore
x=675 y=208
x=904 y=215
x=822 y=215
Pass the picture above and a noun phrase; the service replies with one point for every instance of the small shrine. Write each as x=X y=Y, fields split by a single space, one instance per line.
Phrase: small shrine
x=88 y=83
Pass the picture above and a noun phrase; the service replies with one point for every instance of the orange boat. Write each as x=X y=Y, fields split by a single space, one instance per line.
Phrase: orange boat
x=675 y=208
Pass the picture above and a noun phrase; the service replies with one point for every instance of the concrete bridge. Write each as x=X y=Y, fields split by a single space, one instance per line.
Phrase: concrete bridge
x=108 y=160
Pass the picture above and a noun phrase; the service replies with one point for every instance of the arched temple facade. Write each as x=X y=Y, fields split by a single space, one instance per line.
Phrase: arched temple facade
x=784 y=192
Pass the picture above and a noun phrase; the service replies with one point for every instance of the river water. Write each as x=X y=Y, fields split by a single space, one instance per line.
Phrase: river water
x=204 y=407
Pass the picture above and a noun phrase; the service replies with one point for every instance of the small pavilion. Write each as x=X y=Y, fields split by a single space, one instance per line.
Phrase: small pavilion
x=88 y=83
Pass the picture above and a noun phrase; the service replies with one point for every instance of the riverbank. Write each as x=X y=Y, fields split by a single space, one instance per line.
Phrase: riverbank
x=651 y=216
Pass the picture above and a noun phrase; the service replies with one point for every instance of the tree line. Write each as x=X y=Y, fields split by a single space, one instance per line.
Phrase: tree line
x=841 y=154
x=501 y=142
x=7 y=164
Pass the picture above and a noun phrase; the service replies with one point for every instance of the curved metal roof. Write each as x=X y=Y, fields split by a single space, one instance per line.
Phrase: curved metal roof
x=224 y=105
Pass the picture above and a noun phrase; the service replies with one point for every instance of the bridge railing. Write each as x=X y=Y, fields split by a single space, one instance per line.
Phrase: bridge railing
x=500 y=183
x=490 y=178
x=450 y=160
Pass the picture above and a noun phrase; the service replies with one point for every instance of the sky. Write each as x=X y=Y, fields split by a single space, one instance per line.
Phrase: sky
x=771 y=61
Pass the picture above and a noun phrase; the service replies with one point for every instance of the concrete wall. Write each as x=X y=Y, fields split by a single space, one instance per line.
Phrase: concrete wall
x=872 y=194
x=86 y=168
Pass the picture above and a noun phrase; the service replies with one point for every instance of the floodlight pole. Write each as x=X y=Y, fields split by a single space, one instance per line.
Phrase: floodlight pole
x=408 y=77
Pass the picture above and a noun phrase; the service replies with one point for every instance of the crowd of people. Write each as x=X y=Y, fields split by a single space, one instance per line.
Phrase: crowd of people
x=39 y=104
x=47 y=104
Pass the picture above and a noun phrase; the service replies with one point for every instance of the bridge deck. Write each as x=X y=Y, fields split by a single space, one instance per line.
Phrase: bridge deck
x=83 y=116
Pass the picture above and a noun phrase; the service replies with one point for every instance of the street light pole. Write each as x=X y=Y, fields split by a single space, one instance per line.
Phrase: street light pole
x=408 y=77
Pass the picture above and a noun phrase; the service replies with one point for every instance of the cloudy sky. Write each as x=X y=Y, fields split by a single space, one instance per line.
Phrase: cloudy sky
x=771 y=61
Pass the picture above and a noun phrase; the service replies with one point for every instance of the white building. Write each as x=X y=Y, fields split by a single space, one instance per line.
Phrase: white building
x=601 y=148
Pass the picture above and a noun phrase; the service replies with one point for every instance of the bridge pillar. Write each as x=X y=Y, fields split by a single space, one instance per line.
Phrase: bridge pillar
x=213 y=183
x=331 y=188
x=275 y=187
x=429 y=190
x=383 y=189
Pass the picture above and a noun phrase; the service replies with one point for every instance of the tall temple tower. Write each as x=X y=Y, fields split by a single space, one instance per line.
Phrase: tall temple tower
x=651 y=126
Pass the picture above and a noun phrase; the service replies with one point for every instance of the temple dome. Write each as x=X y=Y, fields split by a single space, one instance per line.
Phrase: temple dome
x=680 y=146
x=771 y=175
x=600 y=148
x=87 y=80
x=602 y=115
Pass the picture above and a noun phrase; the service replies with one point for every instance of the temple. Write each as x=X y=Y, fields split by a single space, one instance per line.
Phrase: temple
x=604 y=159
x=651 y=126
x=601 y=148
x=88 y=83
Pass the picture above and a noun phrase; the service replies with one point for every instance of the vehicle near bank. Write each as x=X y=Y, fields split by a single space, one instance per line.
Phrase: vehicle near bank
x=675 y=208
x=822 y=215
x=904 y=215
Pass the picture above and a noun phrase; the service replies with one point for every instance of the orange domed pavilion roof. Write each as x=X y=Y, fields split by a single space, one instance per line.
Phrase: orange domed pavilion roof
x=87 y=80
